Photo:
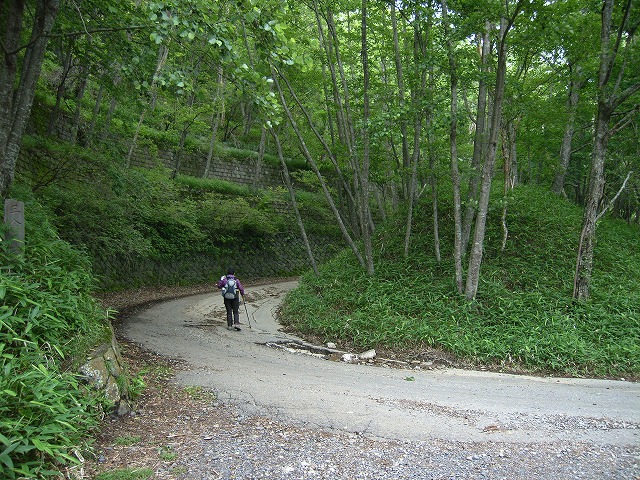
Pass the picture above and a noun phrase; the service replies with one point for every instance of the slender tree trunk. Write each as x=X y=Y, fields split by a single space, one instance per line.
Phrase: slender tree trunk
x=106 y=130
x=508 y=154
x=185 y=128
x=346 y=130
x=417 y=95
x=350 y=129
x=180 y=148
x=94 y=115
x=584 y=262
x=406 y=161
x=512 y=136
x=475 y=259
x=432 y=175
x=162 y=58
x=82 y=88
x=62 y=87
x=216 y=118
x=367 y=227
x=479 y=140
x=294 y=203
x=309 y=157
x=453 y=144
x=337 y=101
x=16 y=94
x=380 y=200
x=355 y=209
x=565 y=149
x=328 y=107
x=351 y=196
x=411 y=196
x=260 y=158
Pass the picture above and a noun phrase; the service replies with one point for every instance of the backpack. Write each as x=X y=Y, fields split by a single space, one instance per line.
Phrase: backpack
x=230 y=290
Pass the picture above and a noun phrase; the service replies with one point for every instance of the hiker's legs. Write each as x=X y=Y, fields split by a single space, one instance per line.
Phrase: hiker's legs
x=236 y=308
x=228 y=304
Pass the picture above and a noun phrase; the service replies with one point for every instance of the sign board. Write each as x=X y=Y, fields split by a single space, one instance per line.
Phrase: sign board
x=14 y=219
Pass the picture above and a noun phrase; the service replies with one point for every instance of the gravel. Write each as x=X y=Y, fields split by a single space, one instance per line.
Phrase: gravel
x=258 y=448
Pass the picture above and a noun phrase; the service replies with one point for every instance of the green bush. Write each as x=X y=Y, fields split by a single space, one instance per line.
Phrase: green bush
x=47 y=320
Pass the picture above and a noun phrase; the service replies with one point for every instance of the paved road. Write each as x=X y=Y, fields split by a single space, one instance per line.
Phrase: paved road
x=389 y=403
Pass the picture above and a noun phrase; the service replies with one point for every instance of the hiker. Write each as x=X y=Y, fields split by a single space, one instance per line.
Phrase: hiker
x=231 y=289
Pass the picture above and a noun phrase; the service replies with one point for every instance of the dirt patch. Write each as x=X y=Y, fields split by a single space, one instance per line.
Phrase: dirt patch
x=159 y=427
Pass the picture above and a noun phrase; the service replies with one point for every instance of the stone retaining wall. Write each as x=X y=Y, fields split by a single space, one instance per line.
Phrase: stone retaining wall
x=242 y=171
x=105 y=370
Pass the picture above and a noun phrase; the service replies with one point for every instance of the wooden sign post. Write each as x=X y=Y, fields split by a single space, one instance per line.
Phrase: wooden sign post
x=14 y=219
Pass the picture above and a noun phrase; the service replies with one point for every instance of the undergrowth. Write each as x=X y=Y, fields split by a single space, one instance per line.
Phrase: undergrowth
x=47 y=319
x=523 y=318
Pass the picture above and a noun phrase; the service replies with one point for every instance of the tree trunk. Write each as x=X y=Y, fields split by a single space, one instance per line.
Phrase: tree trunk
x=346 y=189
x=106 y=130
x=367 y=227
x=216 y=118
x=16 y=94
x=346 y=132
x=453 y=145
x=260 y=158
x=417 y=96
x=609 y=98
x=479 y=140
x=62 y=87
x=475 y=259
x=565 y=149
x=309 y=157
x=355 y=209
x=337 y=101
x=82 y=88
x=94 y=114
x=163 y=53
x=294 y=203
x=509 y=173
x=406 y=161
x=185 y=129
x=350 y=130
x=584 y=261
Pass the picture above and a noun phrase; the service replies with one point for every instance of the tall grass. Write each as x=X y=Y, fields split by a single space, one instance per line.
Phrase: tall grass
x=523 y=318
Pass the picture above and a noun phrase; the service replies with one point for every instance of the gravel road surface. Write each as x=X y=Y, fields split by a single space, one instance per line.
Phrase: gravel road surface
x=356 y=421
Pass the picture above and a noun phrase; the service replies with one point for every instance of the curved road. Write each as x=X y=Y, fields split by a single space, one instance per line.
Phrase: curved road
x=448 y=404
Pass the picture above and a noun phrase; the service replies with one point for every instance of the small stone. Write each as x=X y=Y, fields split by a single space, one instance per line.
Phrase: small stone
x=331 y=345
x=349 y=357
x=368 y=355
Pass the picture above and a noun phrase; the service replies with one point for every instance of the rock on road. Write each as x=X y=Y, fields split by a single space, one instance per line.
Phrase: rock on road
x=380 y=403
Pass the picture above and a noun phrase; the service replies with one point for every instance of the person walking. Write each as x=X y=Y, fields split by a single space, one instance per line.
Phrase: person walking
x=231 y=288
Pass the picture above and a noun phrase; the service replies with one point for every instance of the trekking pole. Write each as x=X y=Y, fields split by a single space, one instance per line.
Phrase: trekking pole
x=246 y=311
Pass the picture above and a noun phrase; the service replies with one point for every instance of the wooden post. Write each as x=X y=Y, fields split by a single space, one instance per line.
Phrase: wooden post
x=14 y=219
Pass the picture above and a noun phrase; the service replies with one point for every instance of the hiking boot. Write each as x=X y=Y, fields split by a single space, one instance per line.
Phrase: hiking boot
x=229 y=327
x=237 y=327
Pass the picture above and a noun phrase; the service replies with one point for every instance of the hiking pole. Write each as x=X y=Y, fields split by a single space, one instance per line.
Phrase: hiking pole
x=246 y=311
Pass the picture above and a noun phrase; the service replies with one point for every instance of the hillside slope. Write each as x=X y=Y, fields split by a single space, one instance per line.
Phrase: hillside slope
x=523 y=318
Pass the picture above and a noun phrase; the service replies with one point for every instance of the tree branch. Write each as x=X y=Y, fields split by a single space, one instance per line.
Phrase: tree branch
x=624 y=184
x=76 y=34
x=625 y=95
x=626 y=119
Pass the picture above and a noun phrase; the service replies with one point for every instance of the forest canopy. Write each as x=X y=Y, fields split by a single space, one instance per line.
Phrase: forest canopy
x=383 y=103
